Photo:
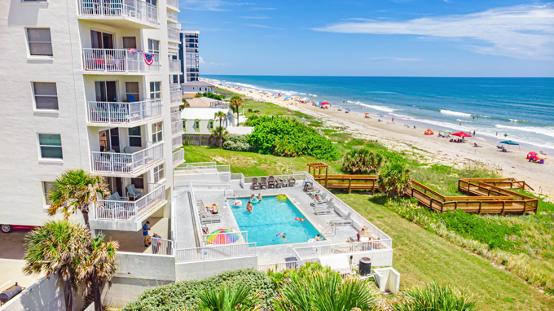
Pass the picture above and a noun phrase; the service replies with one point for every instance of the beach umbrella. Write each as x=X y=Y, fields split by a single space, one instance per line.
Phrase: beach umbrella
x=222 y=236
x=509 y=142
x=461 y=134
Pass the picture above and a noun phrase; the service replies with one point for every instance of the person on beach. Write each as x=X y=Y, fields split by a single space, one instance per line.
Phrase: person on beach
x=249 y=207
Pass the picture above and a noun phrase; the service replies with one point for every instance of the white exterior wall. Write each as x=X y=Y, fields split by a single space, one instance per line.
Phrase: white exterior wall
x=21 y=169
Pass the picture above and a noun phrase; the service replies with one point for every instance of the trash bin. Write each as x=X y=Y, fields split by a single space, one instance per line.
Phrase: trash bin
x=364 y=266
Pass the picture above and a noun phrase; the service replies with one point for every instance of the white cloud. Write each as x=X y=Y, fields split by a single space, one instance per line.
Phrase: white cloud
x=518 y=31
x=202 y=61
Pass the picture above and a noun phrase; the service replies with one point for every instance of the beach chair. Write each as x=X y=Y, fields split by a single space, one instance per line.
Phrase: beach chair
x=308 y=186
x=255 y=185
x=133 y=193
x=321 y=199
x=205 y=216
x=323 y=210
x=271 y=182
x=263 y=183
x=340 y=222
x=291 y=182
x=281 y=182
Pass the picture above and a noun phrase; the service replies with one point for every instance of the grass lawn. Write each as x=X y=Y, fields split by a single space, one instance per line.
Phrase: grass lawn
x=421 y=257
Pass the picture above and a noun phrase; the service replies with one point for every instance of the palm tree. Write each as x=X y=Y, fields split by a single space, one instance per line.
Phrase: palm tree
x=97 y=268
x=55 y=249
x=362 y=161
x=227 y=299
x=220 y=134
x=220 y=115
x=324 y=290
x=235 y=103
x=394 y=179
x=435 y=297
x=76 y=190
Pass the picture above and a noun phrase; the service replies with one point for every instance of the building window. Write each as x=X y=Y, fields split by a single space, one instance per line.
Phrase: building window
x=196 y=125
x=157 y=132
x=50 y=146
x=46 y=188
x=138 y=182
x=40 y=42
x=46 y=95
x=135 y=138
x=159 y=173
x=155 y=92
x=210 y=124
x=153 y=46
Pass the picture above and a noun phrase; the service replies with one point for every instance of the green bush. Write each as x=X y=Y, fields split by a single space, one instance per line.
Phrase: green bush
x=228 y=298
x=211 y=95
x=186 y=295
x=435 y=298
x=394 y=179
x=237 y=143
x=362 y=161
x=288 y=137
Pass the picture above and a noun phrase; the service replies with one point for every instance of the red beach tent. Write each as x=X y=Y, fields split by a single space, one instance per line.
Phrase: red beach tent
x=324 y=105
x=461 y=134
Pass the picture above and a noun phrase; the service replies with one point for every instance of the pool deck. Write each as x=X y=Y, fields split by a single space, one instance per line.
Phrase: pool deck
x=222 y=190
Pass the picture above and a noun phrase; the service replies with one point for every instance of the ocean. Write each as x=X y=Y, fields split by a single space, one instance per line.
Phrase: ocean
x=520 y=109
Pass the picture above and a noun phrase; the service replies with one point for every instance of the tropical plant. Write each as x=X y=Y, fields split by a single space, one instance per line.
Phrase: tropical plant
x=435 y=297
x=394 y=179
x=97 y=268
x=76 y=190
x=227 y=298
x=362 y=161
x=219 y=133
x=220 y=115
x=237 y=143
x=56 y=248
x=323 y=289
x=235 y=103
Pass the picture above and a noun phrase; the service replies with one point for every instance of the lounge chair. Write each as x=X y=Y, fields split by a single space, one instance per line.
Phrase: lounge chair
x=322 y=200
x=323 y=210
x=344 y=214
x=308 y=186
x=271 y=182
x=205 y=216
x=255 y=185
x=263 y=183
x=281 y=183
x=340 y=222
x=133 y=193
x=291 y=182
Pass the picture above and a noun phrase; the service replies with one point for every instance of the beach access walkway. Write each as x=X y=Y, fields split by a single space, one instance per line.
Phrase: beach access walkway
x=485 y=196
x=342 y=181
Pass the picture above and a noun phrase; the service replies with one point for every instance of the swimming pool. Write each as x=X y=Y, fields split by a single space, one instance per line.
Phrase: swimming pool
x=271 y=217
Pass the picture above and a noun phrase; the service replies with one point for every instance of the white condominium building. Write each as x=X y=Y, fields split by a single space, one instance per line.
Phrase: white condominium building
x=90 y=84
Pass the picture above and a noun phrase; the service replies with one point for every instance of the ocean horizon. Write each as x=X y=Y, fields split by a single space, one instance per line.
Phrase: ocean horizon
x=516 y=108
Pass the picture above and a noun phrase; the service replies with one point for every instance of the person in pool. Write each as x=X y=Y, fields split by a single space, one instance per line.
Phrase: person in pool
x=317 y=237
x=259 y=197
x=281 y=235
x=249 y=207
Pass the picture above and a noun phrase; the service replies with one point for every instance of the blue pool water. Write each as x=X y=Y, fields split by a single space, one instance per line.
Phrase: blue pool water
x=270 y=217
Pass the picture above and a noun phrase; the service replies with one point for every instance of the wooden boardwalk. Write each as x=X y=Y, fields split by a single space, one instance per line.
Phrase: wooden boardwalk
x=342 y=181
x=485 y=196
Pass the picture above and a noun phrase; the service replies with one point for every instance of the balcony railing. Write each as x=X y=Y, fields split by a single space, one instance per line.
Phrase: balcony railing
x=177 y=142
x=215 y=252
x=138 y=10
x=173 y=3
x=119 y=60
x=124 y=209
x=178 y=156
x=173 y=33
x=123 y=113
x=176 y=94
x=177 y=127
x=175 y=65
x=173 y=15
x=176 y=116
x=126 y=163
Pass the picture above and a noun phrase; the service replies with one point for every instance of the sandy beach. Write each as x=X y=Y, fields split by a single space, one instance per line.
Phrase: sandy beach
x=430 y=149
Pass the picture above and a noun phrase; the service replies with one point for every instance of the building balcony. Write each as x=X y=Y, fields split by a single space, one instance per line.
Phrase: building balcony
x=173 y=16
x=120 y=13
x=126 y=164
x=124 y=214
x=173 y=4
x=177 y=142
x=123 y=114
x=177 y=128
x=178 y=157
x=173 y=33
x=176 y=94
x=175 y=66
x=120 y=61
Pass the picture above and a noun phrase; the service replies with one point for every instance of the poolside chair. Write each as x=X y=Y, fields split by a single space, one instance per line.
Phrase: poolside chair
x=322 y=200
x=271 y=182
x=281 y=183
x=308 y=186
x=255 y=185
x=133 y=193
x=323 y=210
x=263 y=183
x=205 y=216
x=344 y=214
x=340 y=222
x=292 y=182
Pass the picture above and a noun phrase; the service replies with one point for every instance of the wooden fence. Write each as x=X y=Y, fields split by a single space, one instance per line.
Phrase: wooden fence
x=348 y=182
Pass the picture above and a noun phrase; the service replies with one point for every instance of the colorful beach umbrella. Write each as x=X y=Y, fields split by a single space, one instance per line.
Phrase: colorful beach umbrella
x=509 y=142
x=222 y=236
x=461 y=134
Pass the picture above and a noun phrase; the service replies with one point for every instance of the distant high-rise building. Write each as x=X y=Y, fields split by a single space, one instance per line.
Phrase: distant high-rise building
x=190 y=57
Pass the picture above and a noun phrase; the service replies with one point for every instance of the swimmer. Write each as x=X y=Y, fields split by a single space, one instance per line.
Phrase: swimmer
x=299 y=219
x=251 y=197
x=281 y=235
x=317 y=237
x=259 y=196
x=249 y=207
x=237 y=203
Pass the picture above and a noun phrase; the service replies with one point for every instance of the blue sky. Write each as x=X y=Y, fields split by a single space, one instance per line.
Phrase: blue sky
x=373 y=37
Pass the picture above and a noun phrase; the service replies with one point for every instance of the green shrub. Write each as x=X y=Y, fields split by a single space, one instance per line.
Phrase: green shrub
x=186 y=295
x=237 y=143
x=394 y=179
x=235 y=297
x=435 y=298
x=288 y=137
x=211 y=95
x=362 y=161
